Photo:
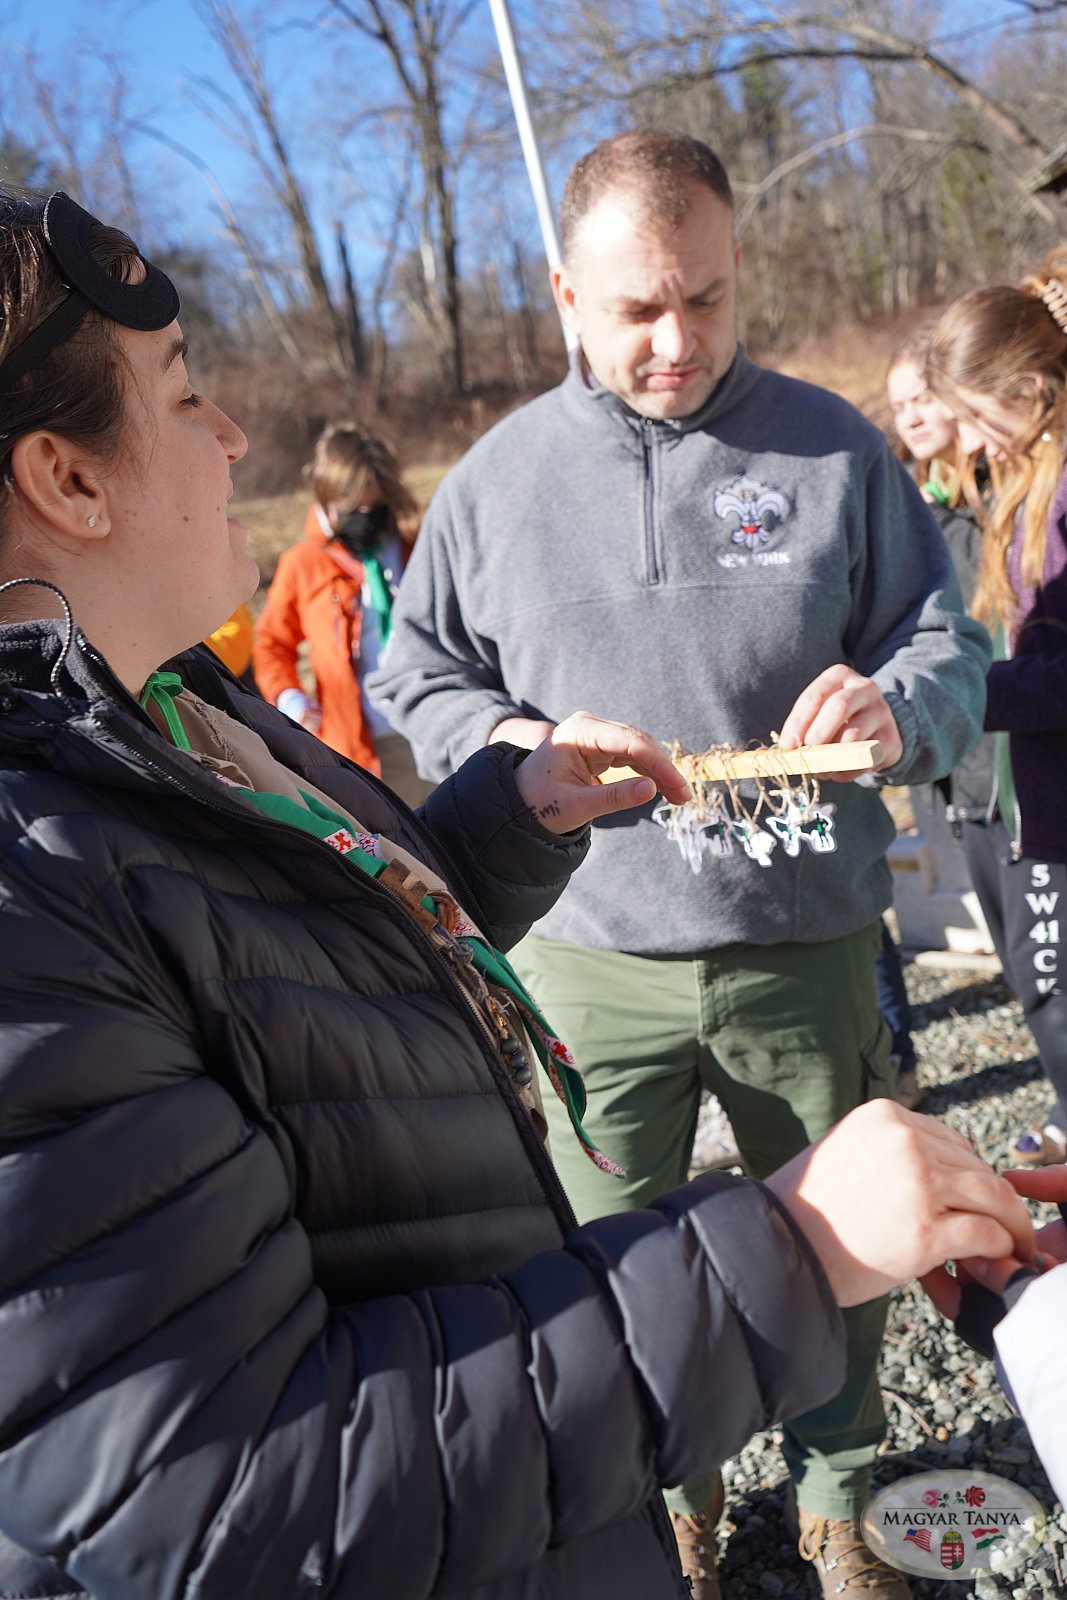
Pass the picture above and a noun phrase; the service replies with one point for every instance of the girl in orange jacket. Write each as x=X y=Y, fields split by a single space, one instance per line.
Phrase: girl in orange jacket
x=335 y=591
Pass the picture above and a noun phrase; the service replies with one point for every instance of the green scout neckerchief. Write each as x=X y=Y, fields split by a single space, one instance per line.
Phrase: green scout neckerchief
x=318 y=820
x=161 y=688
x=493 y=965
x=938 y=492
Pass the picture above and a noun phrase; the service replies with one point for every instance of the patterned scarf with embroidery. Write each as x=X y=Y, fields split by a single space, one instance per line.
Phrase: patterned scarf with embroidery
x=438 y=915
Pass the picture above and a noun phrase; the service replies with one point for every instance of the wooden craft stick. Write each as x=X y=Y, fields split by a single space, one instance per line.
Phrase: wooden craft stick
x=864 y=755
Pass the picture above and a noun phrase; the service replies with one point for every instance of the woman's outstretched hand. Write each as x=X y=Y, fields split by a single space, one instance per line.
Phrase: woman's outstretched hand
x=560 y=779
x=887 y=1195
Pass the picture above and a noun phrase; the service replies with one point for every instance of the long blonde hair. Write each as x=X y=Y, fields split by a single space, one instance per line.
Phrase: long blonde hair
x=1011 y=343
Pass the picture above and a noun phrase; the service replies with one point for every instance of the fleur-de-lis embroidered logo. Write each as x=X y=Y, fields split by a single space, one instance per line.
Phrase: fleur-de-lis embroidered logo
x=758 y=510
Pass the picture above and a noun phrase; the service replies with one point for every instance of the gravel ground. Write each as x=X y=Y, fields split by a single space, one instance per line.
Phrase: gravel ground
x=944 y=1405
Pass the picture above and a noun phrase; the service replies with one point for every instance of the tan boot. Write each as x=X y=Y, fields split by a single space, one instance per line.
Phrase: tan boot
x=845 y=1564
x=695 y=1535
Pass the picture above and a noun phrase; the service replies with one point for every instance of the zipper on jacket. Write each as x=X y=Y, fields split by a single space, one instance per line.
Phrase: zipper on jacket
x=648 y=450
x=992 y=812
x=469 y=981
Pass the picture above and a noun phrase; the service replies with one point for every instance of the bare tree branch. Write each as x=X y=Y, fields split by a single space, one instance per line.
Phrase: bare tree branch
x=236 y=233
x=758 y=193
x=896 y=48
x=417 y=60
x=245 y=61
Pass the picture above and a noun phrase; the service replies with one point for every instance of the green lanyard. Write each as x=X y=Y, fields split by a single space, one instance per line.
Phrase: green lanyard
x=162 y=688
x=381 y=597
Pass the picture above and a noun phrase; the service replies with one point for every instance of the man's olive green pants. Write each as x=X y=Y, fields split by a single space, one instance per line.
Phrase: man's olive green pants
x=789 y=1038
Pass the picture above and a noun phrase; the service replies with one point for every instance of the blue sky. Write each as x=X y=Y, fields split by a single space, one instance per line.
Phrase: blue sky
x=165 y=45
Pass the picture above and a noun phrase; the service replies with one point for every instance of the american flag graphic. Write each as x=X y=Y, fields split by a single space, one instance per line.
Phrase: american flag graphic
x=919 y=1536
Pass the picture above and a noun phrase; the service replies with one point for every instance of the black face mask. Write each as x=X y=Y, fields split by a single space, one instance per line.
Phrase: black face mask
x=362 y=531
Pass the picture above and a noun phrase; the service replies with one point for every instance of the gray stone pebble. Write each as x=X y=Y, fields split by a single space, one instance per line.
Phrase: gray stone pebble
x=944 y=1405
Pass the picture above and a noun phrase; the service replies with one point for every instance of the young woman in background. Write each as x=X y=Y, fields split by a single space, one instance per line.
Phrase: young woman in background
x=929 y=444
x=998 y=359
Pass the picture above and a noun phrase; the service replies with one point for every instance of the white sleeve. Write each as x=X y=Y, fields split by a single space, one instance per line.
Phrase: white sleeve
x=292 y=703
x=1032 y=1362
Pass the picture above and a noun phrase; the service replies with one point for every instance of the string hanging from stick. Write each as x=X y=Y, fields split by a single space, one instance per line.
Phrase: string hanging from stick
x=783 y=804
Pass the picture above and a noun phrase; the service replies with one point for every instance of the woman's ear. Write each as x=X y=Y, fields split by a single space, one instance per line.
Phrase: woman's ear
x=58 y=488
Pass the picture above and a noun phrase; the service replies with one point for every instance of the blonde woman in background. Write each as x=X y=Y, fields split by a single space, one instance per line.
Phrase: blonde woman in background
x=929 y=444
x=998 y=359
x=924 y=426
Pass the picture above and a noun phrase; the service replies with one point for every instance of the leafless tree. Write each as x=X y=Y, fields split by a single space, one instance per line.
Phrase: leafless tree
x=416 y=36
x=251 y=116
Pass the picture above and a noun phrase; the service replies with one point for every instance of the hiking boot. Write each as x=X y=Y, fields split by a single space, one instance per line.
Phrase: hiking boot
x=695 y=1536
x=844 y=1563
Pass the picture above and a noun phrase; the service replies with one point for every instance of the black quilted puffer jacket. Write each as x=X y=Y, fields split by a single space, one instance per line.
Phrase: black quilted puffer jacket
x=291 y=1300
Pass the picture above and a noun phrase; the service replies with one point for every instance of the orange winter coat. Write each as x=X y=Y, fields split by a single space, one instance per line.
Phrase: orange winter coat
x=315 y=596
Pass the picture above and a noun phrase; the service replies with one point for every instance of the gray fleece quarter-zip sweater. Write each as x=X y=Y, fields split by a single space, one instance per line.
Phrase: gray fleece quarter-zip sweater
x=690 y=577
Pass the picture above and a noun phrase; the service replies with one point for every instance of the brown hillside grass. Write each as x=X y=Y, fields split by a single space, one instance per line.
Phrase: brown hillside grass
x=851 y=360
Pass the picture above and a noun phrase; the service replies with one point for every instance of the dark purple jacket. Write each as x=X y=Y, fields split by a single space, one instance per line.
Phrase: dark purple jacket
x=1028 y=694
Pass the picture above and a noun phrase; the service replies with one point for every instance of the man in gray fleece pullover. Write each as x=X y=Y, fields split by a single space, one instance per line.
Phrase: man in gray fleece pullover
x=680 y=539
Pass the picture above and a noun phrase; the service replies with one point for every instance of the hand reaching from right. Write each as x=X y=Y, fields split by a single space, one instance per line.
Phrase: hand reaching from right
x=887 y=1195
x=1046 y=1183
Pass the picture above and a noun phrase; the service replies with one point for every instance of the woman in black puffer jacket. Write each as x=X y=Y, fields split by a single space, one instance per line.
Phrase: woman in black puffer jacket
x=290 y=1300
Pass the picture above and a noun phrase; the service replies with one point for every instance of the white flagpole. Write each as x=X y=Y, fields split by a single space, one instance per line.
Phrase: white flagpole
x=509 y=55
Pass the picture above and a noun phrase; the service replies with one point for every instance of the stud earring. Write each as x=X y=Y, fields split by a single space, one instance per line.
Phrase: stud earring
x=91 y=521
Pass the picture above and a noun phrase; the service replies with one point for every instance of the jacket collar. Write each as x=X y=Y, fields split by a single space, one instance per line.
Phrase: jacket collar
x=30 y=652
x=87 y=726
x=36 y=668
x=582 y=389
